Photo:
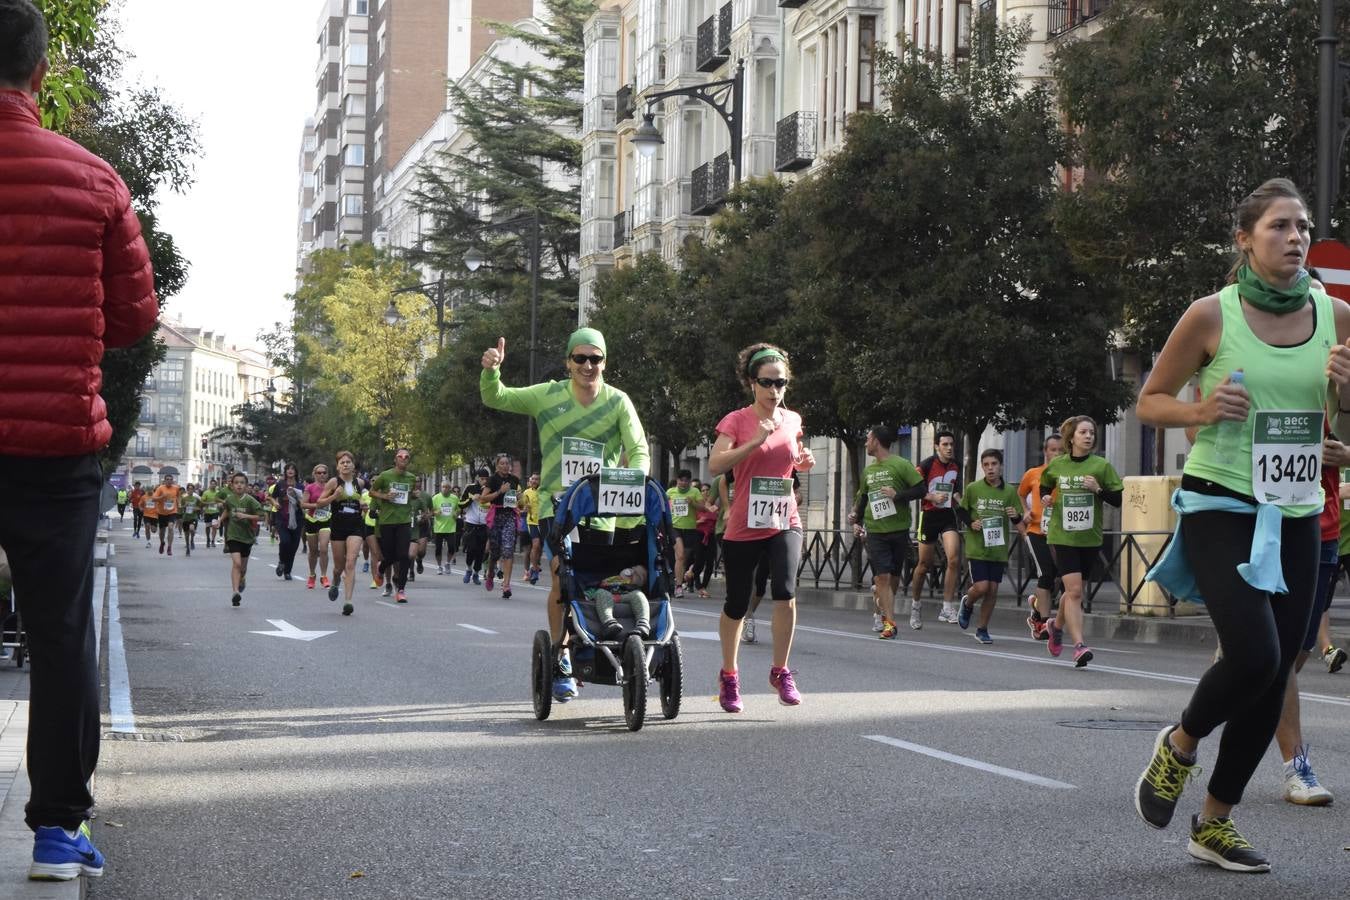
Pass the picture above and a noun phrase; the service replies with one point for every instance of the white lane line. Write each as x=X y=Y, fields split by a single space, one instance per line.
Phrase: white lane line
x=100 y=598
x=119 y=683
x=387 y=603
x=701 y=635
x=971 y=763
x=476 y=628
x=1015 y=657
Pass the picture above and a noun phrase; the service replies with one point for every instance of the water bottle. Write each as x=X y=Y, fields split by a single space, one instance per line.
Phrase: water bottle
x=1228 y=440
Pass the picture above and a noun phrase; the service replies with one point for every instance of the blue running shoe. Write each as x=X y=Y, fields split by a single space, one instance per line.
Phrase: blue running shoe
x=963 y=617
x=982 y=635
x=57 y=856
x=565 y=688
x=468 y=575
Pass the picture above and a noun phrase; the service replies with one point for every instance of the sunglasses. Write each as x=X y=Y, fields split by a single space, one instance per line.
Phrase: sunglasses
x=772 y=382
x=581 y=359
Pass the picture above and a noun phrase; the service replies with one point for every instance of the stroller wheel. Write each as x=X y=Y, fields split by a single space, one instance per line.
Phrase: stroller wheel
x=634 y=683
x=672 y=678
x=541 y=675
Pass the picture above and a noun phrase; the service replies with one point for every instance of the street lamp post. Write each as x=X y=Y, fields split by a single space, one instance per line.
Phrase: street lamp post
x=724 y=96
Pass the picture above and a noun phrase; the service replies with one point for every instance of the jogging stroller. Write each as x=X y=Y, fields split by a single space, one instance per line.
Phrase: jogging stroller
x=586 y=556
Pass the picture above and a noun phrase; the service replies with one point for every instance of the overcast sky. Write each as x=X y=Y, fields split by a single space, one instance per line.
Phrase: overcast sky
x=246 y=74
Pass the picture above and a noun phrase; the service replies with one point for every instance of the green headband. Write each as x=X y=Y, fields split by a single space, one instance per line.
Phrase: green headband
x=586 y=336
x=766 y=353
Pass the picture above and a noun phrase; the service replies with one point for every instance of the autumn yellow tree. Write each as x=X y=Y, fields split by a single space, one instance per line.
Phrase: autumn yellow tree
x=365 y=363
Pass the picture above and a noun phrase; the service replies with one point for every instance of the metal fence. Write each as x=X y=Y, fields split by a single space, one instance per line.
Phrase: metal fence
x=837 y=560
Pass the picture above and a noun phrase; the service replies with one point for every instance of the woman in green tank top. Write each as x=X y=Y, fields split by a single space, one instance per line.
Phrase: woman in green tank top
x=1250 y=492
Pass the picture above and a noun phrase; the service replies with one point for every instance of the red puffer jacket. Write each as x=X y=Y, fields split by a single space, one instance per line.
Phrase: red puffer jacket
x=74 y=277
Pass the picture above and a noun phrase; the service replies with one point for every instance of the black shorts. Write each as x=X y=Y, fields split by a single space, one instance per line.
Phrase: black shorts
x=887 y=551
x=344 y=527
x=1076 y=560
x=1046 y=570
x=783 y=554
x=210 y=518
x=188 y=523
x=934 y=523
x=239 y=547
x=424 y=531
x=691 y=538
x=316 y=527
x=166 y=522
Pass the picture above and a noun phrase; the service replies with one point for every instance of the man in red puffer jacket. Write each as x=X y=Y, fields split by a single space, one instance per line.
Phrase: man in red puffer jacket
x=75 y=277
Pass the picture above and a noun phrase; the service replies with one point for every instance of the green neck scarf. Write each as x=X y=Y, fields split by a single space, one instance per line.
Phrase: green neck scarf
x=1271 y=299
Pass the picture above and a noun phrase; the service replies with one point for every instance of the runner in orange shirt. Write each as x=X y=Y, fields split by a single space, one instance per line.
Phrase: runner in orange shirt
x=137 y=496
x=168 y=499
x=149 y=515
x=1035 y=524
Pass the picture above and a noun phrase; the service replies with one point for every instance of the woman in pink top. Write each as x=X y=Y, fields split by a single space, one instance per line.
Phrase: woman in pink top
x=761 y=445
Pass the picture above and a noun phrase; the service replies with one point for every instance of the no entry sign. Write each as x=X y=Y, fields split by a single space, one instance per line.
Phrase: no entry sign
x=1331 y=259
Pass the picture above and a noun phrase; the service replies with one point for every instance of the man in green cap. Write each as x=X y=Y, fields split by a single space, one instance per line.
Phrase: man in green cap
x=584 y=424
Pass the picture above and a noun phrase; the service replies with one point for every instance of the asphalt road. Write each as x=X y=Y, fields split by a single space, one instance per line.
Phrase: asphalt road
x=398 y=757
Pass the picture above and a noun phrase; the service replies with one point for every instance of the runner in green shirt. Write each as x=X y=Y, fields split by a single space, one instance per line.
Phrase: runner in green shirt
x=211 y=500
x=882 y=505
x=242 y=512
x=420 y=530
x=445 y=519
x=1084 y=481
x=392 y=491
x=989 y=508
x=685 y=501
x=192 y=510
x=584 y=424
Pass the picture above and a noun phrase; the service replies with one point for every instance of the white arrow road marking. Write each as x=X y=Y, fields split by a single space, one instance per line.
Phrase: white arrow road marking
x=970 y=763
x=476 y=628
x=287 y=630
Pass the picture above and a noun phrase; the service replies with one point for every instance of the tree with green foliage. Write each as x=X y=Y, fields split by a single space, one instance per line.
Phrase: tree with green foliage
x=151 y=144
x=521 y=165
x=366 y=364
x=1182 y=107
x=74 y=26
x=928 y=283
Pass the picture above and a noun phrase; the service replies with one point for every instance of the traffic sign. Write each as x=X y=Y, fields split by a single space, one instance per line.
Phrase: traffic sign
x=1331 y=259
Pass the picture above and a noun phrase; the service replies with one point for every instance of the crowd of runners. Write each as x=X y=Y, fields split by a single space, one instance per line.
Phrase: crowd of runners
x=1262 y=528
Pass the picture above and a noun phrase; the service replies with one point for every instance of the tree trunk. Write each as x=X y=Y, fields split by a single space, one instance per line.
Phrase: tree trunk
x=972 y=432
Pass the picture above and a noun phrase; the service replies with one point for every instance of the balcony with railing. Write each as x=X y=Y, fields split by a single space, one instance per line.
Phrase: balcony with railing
x=708 y=55
x=146 y=418
x=1064 y=15
x=624 y=107
x=791 y=4
x=710 y=185
x=988 y=6
x=623 y=228
x=795 y=145
x=724 y=30
x=149 y=385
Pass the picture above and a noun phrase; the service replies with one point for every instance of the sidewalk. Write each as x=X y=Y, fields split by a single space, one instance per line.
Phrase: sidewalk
x=1190 y=631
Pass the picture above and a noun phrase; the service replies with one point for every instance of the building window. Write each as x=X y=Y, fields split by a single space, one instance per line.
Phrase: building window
x=963 y=14
x=170 y=410
x=353 y=204
x=171 y=443
x=354 y=155
x=356 y=54
x=143 y=443
x=171 y=371
x=867 y=54
x=356 y=104
x=360 y=7
x=311 y=143
x=379 y=90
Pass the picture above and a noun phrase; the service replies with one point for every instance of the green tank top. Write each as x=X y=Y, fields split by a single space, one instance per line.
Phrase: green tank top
x=1276 y=378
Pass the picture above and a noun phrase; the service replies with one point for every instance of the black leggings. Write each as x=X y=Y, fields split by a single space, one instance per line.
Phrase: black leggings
x=450 y=541
x=1261 y=635
x=394 y=540
x=475 y=546
x=1046 y=570
x=782 y=551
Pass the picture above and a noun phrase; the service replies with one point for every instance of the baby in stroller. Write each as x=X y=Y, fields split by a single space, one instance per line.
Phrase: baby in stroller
x=626 y=586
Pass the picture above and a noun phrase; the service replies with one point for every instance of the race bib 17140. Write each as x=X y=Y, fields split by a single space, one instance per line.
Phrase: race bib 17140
x=621 y=492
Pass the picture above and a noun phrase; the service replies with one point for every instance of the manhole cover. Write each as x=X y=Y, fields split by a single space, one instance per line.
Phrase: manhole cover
x=143 y=737
x=1116 y=724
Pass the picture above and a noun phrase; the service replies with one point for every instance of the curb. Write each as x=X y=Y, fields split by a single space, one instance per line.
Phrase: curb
x=1193 y=631
x=16 y=840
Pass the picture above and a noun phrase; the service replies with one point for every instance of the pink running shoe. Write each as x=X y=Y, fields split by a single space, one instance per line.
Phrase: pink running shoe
x=781 y=681
x=729 y=691
x=488 y=583
x=1055 y=642
x=1081 y=655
